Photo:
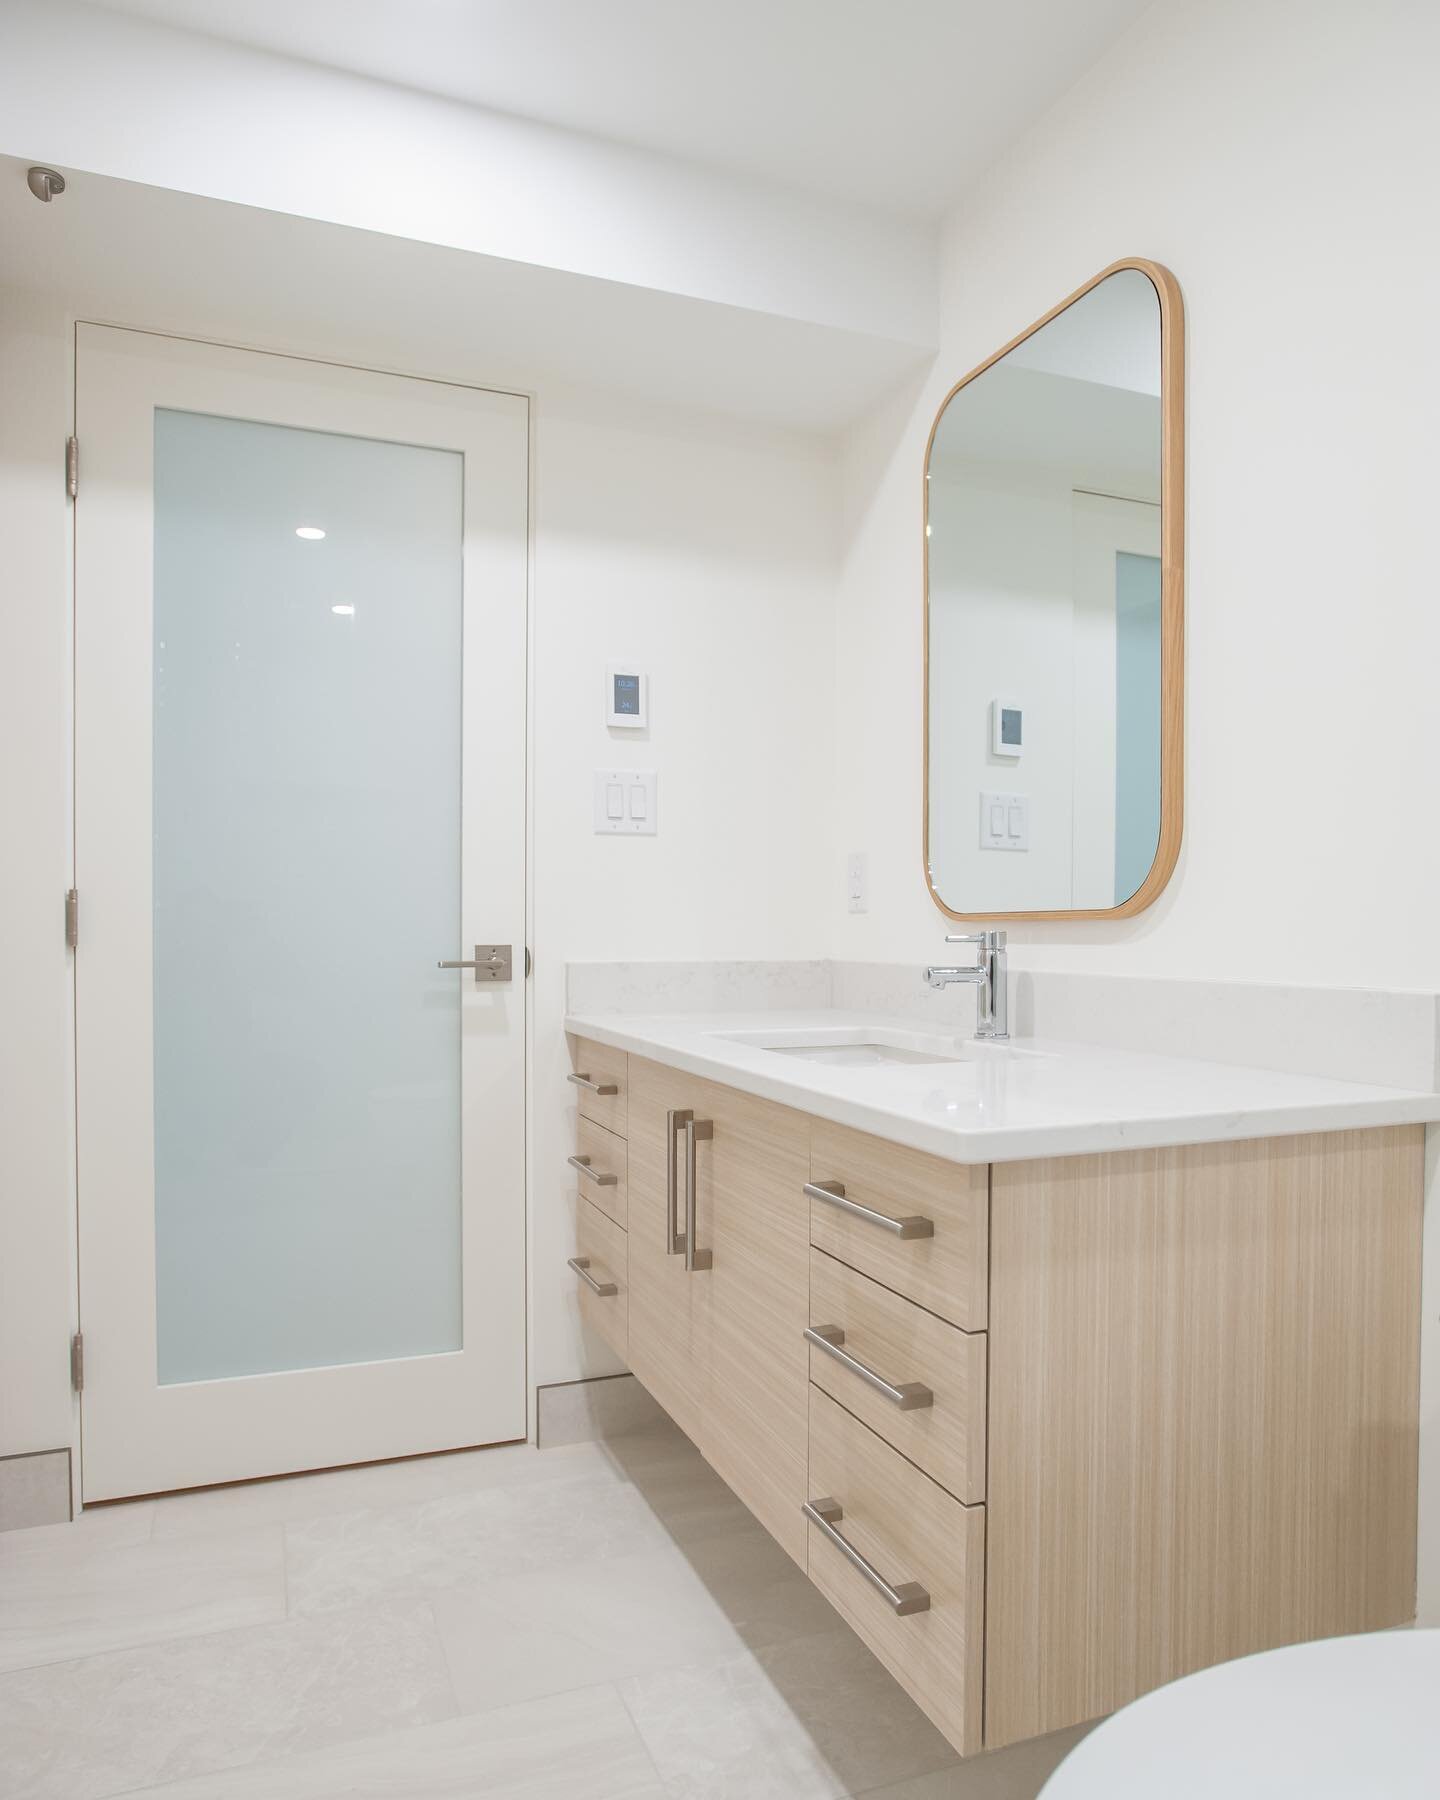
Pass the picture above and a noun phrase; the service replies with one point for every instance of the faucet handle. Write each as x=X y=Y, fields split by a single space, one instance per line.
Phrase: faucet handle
x=992 y=940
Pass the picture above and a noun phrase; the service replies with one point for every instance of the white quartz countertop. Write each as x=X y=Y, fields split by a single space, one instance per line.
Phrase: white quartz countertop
x=1039 y=1097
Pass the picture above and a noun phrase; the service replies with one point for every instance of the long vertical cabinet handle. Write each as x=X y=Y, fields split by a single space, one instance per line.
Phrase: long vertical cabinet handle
x=696 y=1130
x=675 y=1123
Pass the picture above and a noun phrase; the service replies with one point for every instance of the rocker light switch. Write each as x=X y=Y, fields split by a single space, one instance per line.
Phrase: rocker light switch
x=625 y=802
x=1004 y=821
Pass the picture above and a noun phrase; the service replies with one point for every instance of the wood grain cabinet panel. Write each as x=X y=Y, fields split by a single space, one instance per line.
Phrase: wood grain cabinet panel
x=722 y=1347
x=945 y=1273
x=671 y=1312
x=911 y=1531
x=604 y=1180
x=603 y=1247
x=605 y=1068
x=753 y=1216
x=908 y=1347
x=1203 y=1402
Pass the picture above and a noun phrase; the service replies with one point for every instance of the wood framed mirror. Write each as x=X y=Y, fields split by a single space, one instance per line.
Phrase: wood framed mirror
x=1054 y=612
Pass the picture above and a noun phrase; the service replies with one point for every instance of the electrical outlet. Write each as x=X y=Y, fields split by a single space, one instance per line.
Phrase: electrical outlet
x=857 y=881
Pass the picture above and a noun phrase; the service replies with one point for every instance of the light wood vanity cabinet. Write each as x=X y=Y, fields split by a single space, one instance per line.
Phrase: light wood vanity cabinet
x=944 y=1269
x=1065 y=1429
x=718 y=1336
x=602 y=1262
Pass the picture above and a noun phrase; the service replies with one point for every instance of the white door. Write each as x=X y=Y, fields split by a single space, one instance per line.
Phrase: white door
x=299 y=769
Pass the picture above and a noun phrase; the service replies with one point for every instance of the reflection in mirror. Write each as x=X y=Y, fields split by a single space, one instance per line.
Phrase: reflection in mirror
x=1045 y=699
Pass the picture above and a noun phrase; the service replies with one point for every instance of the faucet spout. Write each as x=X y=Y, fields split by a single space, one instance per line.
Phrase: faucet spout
x=938 y=977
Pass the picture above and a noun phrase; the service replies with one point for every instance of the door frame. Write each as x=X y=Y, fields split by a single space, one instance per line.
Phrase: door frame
x=522 y=1016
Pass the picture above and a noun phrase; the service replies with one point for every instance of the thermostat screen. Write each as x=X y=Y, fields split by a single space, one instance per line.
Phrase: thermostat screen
x=627 y=694
x=1009 y=724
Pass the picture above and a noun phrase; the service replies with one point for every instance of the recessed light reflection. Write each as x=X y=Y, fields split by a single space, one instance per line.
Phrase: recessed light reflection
x=345 y=612
x=311 y=532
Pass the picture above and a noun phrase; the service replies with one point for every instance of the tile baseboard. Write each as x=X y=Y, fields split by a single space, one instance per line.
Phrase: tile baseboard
x=34 y=1489
x=585 y=1412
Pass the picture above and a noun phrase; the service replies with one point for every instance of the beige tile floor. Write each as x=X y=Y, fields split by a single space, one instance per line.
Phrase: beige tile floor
x=590 y=1622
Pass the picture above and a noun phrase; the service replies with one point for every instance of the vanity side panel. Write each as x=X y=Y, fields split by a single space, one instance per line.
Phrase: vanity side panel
x=1204 y=1405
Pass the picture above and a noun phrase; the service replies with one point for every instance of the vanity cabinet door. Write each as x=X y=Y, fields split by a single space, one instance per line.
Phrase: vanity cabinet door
x=721 y=1345
x=754 y=1216
x=670 y=1323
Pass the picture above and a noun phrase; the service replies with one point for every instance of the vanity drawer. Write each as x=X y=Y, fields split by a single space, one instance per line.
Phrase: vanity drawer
x=945 y=1269
x=601 y=1167
x=601 y=1261
x=915 y=1355
x=918 y=1538
x=597 y=1068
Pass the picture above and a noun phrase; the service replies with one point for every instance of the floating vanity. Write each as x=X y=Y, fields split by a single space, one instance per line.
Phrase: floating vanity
x=1063 y=1371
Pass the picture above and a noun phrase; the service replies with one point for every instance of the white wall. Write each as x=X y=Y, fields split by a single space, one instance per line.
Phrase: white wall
x=1279 y=156
x=37 y=1287
x=708 y=552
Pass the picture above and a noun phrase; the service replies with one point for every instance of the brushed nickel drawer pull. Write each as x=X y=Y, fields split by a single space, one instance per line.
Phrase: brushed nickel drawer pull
x=582 y=1163
x=581 y=1266
x=675 y=1122
x=595 y=1087
x=833 y=1192
x=696 y=1130
x=909 y=1597
x=909 y=1396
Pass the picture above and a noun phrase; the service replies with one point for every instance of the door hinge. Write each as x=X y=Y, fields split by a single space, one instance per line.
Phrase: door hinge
x=77 y=1362
x=72 y=466
x=72 y=917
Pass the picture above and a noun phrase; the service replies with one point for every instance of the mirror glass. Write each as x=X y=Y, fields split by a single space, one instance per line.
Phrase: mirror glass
x=1044 y=616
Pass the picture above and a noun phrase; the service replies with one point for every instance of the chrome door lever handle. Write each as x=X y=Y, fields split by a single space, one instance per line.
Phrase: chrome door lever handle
x=491 y=962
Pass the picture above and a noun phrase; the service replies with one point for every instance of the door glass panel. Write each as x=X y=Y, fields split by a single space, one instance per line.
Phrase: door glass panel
x=306 y=862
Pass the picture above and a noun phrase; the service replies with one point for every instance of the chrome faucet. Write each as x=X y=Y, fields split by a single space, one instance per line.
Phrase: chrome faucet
x=988 y=977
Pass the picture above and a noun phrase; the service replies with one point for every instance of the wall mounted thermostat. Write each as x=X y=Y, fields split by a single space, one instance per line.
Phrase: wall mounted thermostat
x=1007 y=728
x=627 y=696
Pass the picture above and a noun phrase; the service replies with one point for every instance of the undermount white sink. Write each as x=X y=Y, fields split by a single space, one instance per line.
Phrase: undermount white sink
x=860 y=1047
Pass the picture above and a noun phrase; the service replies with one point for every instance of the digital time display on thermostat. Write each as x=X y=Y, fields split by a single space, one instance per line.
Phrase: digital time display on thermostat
x=626 y=696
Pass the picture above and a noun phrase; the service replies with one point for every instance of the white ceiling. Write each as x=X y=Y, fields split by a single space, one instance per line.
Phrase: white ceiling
x=891 y=103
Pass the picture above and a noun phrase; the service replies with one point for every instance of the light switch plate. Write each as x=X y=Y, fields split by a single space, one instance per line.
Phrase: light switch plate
x=625 y=802
x=1004 y=821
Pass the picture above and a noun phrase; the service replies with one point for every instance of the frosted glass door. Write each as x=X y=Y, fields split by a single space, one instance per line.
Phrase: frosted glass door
x=300 y=739
x=307 y=724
